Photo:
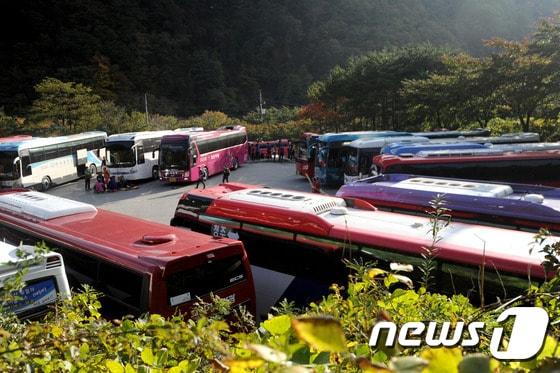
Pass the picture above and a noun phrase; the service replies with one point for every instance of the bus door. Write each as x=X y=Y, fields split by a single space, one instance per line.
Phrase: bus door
x=25 y=161
x=81 y=161
x=140 y=159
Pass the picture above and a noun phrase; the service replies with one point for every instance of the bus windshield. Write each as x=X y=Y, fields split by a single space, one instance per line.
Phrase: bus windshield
x=121 y=154
x=174 y=154
x=8 y=170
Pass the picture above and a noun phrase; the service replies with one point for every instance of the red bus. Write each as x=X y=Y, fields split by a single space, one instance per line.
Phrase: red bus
x=291 y=231
x=139 y=266
x=305 y=154
x=184 y=156
x=528 y=167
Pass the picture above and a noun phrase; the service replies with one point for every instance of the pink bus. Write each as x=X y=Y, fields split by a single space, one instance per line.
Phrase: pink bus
x=184 y=156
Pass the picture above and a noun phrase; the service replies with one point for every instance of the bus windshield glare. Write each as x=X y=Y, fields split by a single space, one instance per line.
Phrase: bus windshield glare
x=121 y=154
x=173 y=154
x=8 y=170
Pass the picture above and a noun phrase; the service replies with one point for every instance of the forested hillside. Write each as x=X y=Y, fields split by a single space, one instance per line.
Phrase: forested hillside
x=191 y=56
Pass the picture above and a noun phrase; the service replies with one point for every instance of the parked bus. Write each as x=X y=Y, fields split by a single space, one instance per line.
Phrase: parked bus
x=187 y=155
x=331 y=155
x=135 y=155
x=527 y=167
x=305 y=153
x=45 y=280
x=43 y=162
x=305 y=233
x=139 y=266
x=361 y=152
x=516 y=206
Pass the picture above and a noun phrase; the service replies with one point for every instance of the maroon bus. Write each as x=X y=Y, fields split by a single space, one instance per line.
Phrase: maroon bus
x=304 y=233
x=139 y=266
x=185 y=155
x=528 y=167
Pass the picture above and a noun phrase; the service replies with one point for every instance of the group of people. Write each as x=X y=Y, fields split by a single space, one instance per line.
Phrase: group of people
x=202 y=176
x=273 y=150
x=104 y=182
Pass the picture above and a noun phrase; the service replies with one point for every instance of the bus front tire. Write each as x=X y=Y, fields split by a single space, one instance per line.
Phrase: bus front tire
x=234 y=164
x=204 y=174
x=93 y=169
x=155 y=173
x=45 y=184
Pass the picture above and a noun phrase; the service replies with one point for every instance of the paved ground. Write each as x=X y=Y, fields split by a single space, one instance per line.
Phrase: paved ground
x=156 y=201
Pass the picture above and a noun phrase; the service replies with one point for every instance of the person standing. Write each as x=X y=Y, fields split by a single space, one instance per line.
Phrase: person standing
x=225 y=177
x=201 y=178
x=87 y=179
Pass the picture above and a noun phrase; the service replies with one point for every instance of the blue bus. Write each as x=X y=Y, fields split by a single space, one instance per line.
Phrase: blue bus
x=332 y=154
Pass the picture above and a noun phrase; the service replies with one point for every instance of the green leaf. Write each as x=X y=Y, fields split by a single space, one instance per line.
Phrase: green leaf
x=390 y=280
x=147 y=356
x=278 y=325
x=114 y=366
x=321 y=333
x=475 y=363
x=129 y=368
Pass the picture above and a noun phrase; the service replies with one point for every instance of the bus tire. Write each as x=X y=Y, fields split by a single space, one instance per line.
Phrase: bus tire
x=204 y=174
x=155 y=173
x=46 y=183
x=234 y=164
x=93 y=169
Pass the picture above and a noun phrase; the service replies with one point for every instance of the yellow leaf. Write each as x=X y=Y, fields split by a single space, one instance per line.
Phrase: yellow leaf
x=239 y=365
x=56 y=331
x=373 y=273
x=114 y=366
x=277 y=325
x=442 y=360
x=321 y=333
x=147 y=356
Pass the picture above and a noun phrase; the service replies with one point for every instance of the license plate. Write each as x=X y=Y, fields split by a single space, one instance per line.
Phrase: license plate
x=219 y=230
x=172 y=179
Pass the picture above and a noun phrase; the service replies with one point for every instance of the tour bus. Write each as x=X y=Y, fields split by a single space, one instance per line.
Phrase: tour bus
x=44 y=280
x=332 y=155
x=512 y=205
x=445 y=134
x=361 y=152
x=187 y=155
x=139 y=266
x=43 y=162
x=135 y=155
x=527 y=167
x=294 y=231
x=305 y=154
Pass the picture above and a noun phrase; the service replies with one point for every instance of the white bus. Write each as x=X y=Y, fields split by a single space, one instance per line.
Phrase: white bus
x=43 y=162
x=134 y=155
x=45 y=281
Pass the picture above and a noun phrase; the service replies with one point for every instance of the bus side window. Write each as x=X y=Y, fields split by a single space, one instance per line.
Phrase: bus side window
x=25 y=166
x=140 y=153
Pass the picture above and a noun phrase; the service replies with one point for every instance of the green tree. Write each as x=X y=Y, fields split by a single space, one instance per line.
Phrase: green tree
x=71 y=107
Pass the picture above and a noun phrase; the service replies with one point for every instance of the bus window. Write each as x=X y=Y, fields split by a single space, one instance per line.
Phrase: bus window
x=210 y=277
x=140 y=154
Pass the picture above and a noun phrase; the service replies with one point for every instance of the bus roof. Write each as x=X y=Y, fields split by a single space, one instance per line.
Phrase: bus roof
x=196 y=135
x=351 y=136
x=139 y=243
x=133 y=136
x=380 y=142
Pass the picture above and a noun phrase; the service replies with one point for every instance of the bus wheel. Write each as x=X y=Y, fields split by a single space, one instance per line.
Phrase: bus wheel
x=45 y=184
x=93 y=169
x=204 y=174
x=234 y=164
x=155 y=173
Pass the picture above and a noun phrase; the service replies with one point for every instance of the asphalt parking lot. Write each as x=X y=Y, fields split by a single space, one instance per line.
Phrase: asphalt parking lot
x=156 y=201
